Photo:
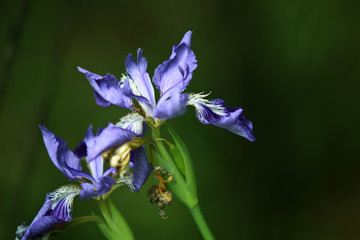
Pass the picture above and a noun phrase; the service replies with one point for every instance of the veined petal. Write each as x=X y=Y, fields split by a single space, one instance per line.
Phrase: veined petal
x=107 y=89
x=139 y=75
x=176 y=73
x=132 y=122
x=171 y=107
x=235 y=122
x=59 y=153
x=215 y=112
x=142 y=168
x=207 y=111
x=56 y=209
x=112 y=136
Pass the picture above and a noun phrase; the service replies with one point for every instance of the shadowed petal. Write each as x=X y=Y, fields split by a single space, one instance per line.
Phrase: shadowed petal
x=176 y=73
x=112 y=136
x=107 y=90
x=142 y=168
x=171 y=107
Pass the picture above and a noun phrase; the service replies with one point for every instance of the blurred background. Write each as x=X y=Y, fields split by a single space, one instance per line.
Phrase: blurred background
x=293 y=66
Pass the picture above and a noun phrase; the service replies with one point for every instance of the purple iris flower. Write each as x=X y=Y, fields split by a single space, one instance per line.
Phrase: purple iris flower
x=56 y=209
x=171 y=78
x=58 y=204
x=69 y=163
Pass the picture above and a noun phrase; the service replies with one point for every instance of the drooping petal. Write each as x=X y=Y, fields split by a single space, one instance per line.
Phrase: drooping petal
x=235 y=122
x=142 y=168
x=215 y=112
x=59 y=153
x=112 y=136
x=140 y=77
x=107 y=89
x=132 y=122
x=171 y=107
x=56 y=209
x=176 y=73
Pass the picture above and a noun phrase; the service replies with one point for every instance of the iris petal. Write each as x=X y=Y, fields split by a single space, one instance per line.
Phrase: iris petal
x=139 y=75
x=171 y=107
x=107 y=89
x=142 y=168
x=132 y=122
x=60 y=154
x=176 y=73
x=56 y=209
x=215 y=112
x=112 y=136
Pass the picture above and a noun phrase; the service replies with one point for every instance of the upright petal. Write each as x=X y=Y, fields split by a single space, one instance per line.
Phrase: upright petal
x=142 y=168
x=215 y=112
x=96 y=165
x=176 y=73
x=171 y=107
x=107 y=90
x=56 y=209
x=139 y=75
x=112 y=136
x=59 y=153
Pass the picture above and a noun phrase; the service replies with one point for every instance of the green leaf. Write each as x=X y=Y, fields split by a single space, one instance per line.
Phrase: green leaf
x=116 y=226
x=188 y=163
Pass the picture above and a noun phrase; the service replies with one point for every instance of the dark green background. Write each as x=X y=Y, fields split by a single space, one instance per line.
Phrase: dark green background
x=292 y=65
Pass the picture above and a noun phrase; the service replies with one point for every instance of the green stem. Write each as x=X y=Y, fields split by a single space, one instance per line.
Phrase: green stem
x=200 y=222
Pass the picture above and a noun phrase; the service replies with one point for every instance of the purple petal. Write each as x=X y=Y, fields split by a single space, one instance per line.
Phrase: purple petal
x=176 y=73
x=96 y=165
x=171 y=107
x=215 y=112
x=60 y=154
x=141 y=78
x=111 y=137
x=142 y=168
x=56 y=209
x=100 y=100
x=235 y=122
x=97 y=189
x=107 y=90
x=41 y=226
x=80 y=151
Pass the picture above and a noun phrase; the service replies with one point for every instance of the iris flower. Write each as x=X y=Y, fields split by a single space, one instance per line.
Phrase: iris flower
x=58 y=204
x=56 y=210
x=171 y=78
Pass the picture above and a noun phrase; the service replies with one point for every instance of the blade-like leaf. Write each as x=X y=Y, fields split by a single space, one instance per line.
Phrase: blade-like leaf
x=116 y=224
x=189 y=169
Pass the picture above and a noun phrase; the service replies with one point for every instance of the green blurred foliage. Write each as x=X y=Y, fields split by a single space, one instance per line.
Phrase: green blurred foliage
x=294 y=66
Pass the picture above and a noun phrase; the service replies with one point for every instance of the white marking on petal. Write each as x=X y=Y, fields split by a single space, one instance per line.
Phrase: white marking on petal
x=198 y=101
x=136 y=91
x=134 y=88
x=128 y=180
x=64 y=196
x=132 y=122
